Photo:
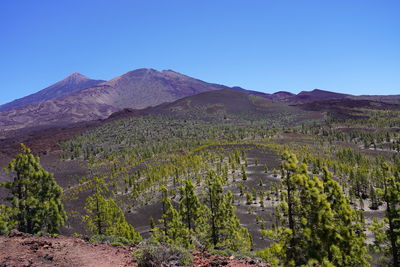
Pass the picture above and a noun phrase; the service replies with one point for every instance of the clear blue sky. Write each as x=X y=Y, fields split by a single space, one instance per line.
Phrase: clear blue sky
x=348 y=46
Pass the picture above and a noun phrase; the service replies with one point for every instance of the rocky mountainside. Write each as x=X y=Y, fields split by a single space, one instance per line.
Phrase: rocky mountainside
x=136 y=90
x=74 y=83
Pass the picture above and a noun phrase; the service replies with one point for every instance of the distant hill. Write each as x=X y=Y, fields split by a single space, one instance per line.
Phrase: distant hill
x=301 y=98
x=251 y=92
x=394 y=99
x=347 y=108
x=281 y=96
x=136 y=90
x=305 y=96
x=74 y=83
x=231 y=105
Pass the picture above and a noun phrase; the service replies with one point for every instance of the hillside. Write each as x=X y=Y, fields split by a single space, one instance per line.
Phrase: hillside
x=74 y=83
x=347 y=108
x=232 y=105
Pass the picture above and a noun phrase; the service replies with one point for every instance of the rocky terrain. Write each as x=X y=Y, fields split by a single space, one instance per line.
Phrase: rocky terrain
x=23 y=250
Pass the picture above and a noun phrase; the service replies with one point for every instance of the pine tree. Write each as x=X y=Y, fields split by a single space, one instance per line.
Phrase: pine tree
x=105 y=217
x=173 y=230
x=35 y=197
x=391 y=197
x=317 y=223
x=152 y=223
x=225 y=231
x=389 y=243
x=244 y=175
x=192 y=212
x=6 y=223
x=346 y=247
x=249 y=198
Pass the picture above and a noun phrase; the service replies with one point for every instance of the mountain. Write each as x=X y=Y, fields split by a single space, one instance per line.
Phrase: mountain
x=72 y=84
x=147 y=87
x=136 y=89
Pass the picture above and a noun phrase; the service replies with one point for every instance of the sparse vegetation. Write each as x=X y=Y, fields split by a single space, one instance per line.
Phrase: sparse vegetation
x=223 y=187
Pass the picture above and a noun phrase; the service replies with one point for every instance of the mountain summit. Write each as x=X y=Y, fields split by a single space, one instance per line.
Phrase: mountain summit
x=73 y=83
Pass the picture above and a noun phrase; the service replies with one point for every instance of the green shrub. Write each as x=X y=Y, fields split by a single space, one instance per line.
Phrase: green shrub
x=154 y=255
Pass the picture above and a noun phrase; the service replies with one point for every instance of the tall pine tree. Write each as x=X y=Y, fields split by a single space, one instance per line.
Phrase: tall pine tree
x=173 y=230
x=225 y=231
x=316 y=222
x=193 y=213
x=387 y=233
x=105 y=217
x=35 y=197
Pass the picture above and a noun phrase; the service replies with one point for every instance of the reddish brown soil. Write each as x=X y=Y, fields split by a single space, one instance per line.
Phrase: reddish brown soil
x=20 y=250
x=23 y=250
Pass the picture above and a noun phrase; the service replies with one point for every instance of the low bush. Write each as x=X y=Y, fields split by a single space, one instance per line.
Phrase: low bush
x=155 y=255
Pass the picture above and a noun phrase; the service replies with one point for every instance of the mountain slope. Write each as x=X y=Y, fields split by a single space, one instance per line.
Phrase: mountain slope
x=347 y=108
x=393 y=99
x=231 y=105
x=136 y=89
x=147 y=87
x=72 y=84
x=317 y=95
x=252 y=92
